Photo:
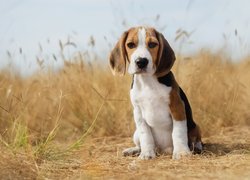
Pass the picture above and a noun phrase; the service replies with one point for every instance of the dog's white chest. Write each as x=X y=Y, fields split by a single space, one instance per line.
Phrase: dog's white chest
x=153 y=100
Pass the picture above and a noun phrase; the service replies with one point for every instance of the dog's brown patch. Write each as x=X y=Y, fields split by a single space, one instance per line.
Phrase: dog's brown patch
x=176 y=105
x=194 y=135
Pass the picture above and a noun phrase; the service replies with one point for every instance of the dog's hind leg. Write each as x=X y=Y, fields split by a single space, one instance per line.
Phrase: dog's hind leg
x=133 y=151
x=194 y=140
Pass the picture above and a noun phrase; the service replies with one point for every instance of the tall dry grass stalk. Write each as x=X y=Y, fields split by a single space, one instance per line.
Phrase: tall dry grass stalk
x=62 y=106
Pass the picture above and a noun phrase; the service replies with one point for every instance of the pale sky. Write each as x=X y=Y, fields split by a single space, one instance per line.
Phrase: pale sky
x=27 y=23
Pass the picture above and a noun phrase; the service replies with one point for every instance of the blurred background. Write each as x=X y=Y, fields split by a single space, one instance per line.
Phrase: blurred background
x=35 y=31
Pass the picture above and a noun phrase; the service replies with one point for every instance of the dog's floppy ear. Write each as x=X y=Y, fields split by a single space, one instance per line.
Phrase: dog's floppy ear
x=117 y=58
x=166 y=56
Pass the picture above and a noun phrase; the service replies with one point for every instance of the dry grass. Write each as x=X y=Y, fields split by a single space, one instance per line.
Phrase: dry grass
x=74 y=123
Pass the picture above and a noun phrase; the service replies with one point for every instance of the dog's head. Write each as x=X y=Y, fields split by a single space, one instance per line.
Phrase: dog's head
x=145 y=50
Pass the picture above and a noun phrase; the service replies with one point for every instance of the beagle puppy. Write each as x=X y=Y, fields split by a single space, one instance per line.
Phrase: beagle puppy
x=162 y=113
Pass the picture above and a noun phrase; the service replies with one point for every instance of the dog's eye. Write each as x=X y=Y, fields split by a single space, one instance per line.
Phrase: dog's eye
x=152 y=44
x=131 y=45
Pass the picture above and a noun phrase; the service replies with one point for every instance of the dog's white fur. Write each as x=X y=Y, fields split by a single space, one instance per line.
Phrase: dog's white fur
x=155 y=128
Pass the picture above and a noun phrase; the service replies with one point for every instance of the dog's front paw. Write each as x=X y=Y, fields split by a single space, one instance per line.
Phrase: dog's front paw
x=181 y=152
x=149 y=154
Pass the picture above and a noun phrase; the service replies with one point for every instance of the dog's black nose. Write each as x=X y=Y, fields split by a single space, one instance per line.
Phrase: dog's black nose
x=142 y=62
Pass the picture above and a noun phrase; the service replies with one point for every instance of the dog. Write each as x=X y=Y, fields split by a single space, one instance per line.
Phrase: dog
x=162 y=113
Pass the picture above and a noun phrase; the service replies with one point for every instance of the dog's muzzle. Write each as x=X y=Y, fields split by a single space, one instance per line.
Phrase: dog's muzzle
x=141 y=63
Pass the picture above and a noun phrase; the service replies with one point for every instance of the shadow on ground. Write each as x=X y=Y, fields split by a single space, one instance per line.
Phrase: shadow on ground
x=219 y=149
